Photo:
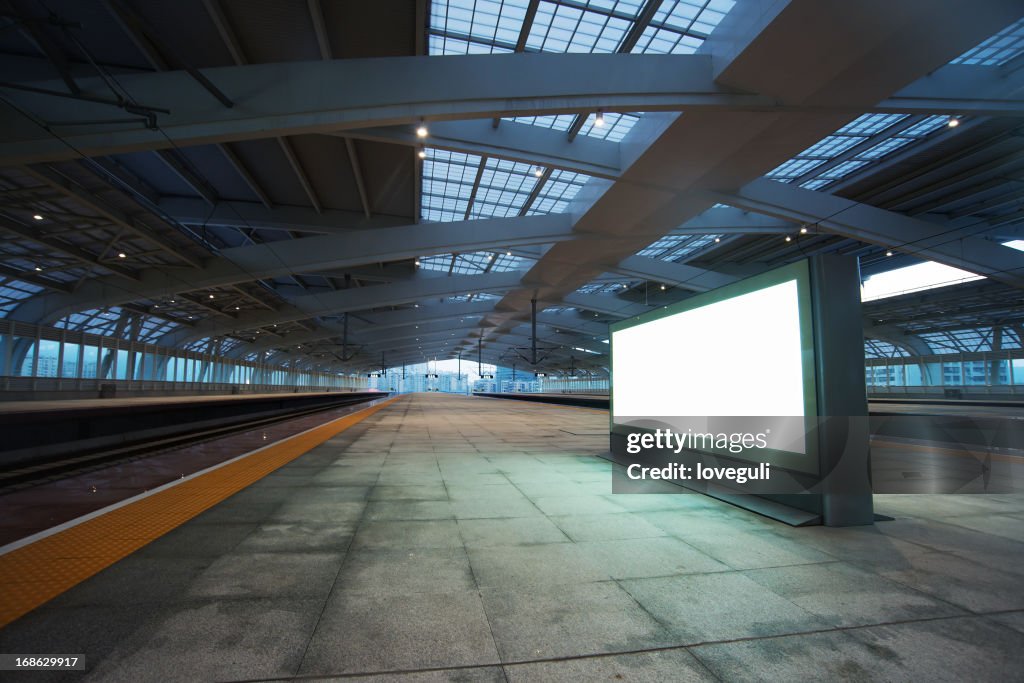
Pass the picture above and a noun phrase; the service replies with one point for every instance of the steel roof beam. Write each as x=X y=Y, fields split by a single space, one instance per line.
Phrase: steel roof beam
x=292 y=98
x=356 y=299
x=250 y=215
x=839 y=216
x=513 y=141
x=310 y=255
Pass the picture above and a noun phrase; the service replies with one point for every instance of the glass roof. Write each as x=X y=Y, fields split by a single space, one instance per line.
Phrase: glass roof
x=460 y=27
x=606 y=287
x=560 y=189
x=876 y=348
x=12 y=291
x=472 y=263
x=957 y=341
x=478 y=296
x=865 y=140
x=675 y=247
x=614 y=129
x=997 y=50
x=219 y=345
x=103 y=321
x=504 y=189
x=595 y=26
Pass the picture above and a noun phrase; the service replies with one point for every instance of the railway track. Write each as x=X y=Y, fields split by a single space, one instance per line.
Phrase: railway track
x=86 y=460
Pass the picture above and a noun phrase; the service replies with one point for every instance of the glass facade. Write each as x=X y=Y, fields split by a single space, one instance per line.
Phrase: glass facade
x=66 y=359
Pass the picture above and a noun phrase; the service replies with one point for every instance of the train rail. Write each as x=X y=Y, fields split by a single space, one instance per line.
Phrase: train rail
x=72 y=459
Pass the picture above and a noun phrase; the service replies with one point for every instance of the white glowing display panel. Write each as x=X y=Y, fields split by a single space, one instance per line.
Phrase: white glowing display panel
x=739 y=356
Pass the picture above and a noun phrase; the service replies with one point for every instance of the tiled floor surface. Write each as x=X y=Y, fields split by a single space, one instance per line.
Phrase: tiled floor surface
x=451 y=538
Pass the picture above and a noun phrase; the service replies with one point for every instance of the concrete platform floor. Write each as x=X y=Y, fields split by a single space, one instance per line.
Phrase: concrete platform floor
x=454 y=538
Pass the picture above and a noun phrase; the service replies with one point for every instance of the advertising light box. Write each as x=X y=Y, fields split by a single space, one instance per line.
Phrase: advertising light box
x=735 y=361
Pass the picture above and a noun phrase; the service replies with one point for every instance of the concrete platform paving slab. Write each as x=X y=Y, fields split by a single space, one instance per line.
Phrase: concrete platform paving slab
x=452 y=538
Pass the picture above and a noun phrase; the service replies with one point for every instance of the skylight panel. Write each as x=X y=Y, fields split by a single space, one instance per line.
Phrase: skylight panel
x=555 y=122
x=877 y=348
x=614 y=129
x=563 y=28
x=1011 y=339
x=437 y=263
x=440 y=215
x=447 y=184
x=960 y=341
x=476 y=262
x=13 y=291
x=504 y=188
x=504 y=263
x=475 y=26
x=606 y=287
x=929 y=125
x=870 y=124
x=101 y=321
x=448 y=45
x=659 y=41
x=842 y=170
x=459 y=27
x=675 y=247
x=472 y=263
x=153 y=329
x=694 y=16
x=660 y=246
x=463 y=298
x=844 y=148
x=997 y=50
x=883 y=148
x=831 y=146
x=560 y=189
x=200 y=345
x=794 y=168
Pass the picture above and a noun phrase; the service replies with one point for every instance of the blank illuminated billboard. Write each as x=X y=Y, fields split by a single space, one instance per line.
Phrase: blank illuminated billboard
x=744 y=350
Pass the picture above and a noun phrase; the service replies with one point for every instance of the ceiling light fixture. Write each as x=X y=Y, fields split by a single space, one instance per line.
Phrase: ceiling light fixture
x=888 y=253
x=121 y=254
x=37 y=216
x=803 y=230
x=953 y=121
x=421 y=130
x=788 y=238
x=38 y=269
x=422 y=153
x=599 y=118
x=538 y=171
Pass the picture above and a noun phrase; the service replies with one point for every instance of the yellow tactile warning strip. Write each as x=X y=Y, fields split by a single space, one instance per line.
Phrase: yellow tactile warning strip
x=35 y=573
